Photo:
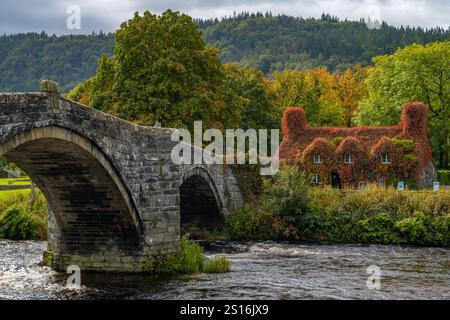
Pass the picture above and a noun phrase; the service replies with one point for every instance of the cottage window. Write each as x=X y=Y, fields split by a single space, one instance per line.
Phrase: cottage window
x=348 y=158
x=385 y=158
x=317 y=158
x=316 y=178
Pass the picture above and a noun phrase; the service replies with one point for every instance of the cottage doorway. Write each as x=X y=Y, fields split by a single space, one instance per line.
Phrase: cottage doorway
x=335 y=180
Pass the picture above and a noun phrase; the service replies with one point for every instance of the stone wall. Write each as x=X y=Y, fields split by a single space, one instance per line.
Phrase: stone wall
x=112 y=187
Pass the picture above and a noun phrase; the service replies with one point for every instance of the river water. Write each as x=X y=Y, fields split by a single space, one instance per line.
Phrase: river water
x=264 y=270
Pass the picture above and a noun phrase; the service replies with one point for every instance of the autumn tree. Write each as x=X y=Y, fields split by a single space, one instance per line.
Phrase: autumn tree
x=349 y=90
x=328 y=98
x=307 y=89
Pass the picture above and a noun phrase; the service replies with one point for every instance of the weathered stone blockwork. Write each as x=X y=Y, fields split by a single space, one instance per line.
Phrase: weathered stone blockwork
x=112 y=187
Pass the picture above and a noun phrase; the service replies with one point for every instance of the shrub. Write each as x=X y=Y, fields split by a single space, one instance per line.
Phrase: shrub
x=283 y=211
x=425 y=229
x=413 y=228
x=22 y=220
x=377 y=228
x=249 y=180
x=289 y=208
x=288 y=196
x=217 y=264
x=21 y=223
x=253 y=222
x=444 y=177
x=439 y=230
x=382 y=215
x=188 y=259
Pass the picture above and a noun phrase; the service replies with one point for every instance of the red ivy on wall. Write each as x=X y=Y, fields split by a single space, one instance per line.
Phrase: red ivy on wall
x=354 y=171
x=404 y=146
x=322 y=147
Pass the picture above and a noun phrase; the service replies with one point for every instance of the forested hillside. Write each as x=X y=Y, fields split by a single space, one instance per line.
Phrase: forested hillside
x=283 y=42
x=25 y=59
x=270 y=43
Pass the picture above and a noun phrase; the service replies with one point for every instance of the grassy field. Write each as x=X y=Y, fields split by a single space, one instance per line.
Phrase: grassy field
x=10 y=181
x=4 y=194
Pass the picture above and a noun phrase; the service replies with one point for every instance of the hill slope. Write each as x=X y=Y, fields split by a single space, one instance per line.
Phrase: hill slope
x=263 y=41
x=278 y=42
x=25 y=59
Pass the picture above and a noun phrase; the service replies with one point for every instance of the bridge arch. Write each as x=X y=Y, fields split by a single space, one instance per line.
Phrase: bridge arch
x=201 y=207
x=113 y=189
x=91 y=205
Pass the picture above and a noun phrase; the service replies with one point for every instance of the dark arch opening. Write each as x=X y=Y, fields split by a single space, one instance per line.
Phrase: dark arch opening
x=88 y=203
x=199 y=208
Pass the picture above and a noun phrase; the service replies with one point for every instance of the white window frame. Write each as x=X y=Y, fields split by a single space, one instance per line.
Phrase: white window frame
x=385 y=159
x=346 y=161
x=316 y=178
x=317 y=158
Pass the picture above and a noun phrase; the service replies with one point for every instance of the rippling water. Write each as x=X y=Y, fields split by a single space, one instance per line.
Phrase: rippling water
x=268 y=270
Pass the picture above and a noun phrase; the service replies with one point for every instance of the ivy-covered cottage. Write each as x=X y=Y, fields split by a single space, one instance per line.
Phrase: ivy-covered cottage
x=361 y=155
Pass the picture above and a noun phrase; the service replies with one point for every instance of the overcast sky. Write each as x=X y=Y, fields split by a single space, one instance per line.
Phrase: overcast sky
x=51 y=15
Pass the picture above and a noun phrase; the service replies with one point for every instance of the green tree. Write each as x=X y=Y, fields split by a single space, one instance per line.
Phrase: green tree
x=415 y=72
x=3 y=162
x=161 y=71
x=256 y=97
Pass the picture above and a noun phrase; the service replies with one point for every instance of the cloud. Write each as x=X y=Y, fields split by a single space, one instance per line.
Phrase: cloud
x=50 y=15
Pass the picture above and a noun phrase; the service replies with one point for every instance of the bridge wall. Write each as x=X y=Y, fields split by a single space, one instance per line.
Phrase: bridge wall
x=141 y=173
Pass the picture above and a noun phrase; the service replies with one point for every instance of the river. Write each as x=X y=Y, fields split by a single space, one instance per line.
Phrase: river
x=263 y=270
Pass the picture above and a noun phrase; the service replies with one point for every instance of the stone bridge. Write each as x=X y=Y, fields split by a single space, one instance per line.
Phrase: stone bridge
x=115 y=196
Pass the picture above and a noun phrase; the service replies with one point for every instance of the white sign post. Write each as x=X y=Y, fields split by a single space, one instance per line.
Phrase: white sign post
x=400 y=186
x=436 y=186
